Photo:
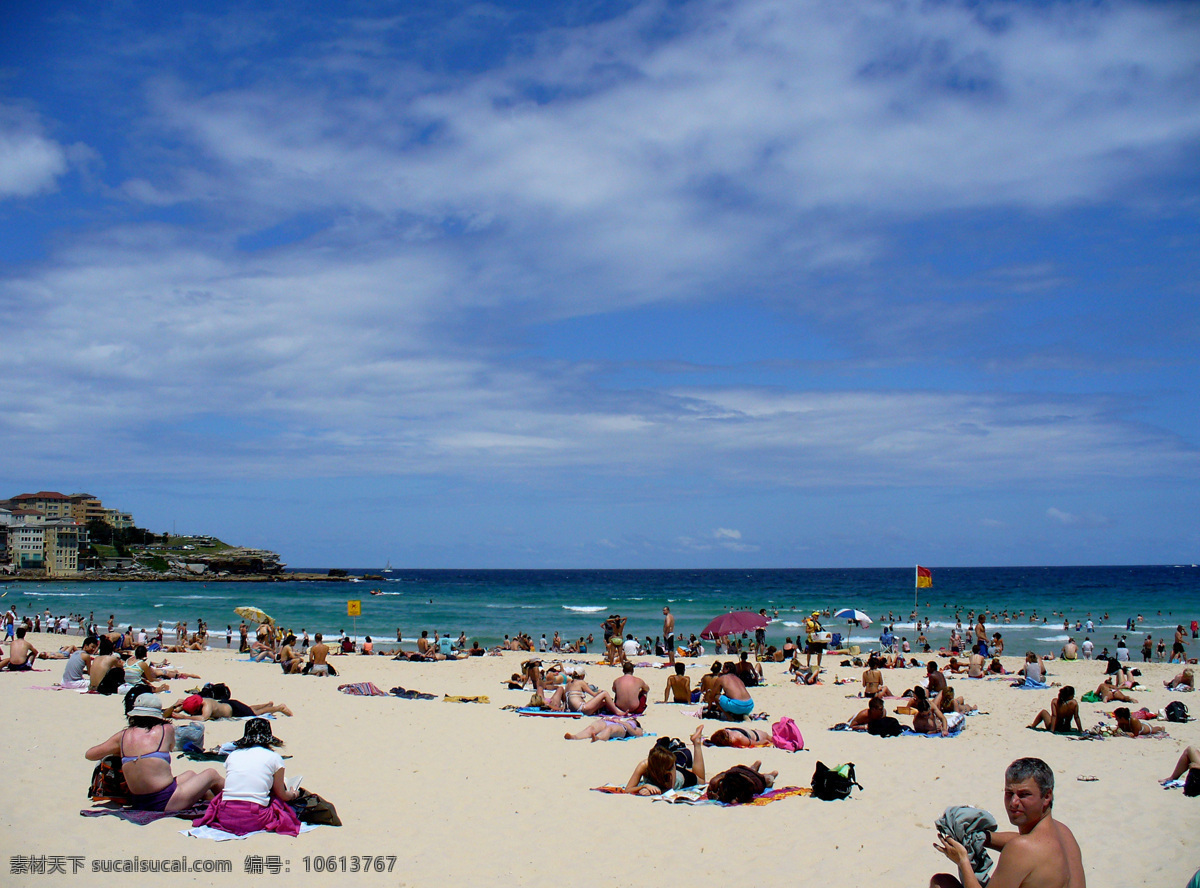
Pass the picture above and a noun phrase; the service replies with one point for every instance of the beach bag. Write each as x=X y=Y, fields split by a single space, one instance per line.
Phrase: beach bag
x=1176 y=712
x=786 y=735
x=189 y=737
x=108 y=781
x=219 y=691
x=1191 y=785
x=885 y=727
x=311 y=808
x=831 y=785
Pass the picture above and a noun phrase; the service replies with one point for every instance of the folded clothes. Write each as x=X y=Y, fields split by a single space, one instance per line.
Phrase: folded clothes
x=410 y=695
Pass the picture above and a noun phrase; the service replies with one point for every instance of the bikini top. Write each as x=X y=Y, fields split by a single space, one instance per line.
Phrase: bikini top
x=158 y=753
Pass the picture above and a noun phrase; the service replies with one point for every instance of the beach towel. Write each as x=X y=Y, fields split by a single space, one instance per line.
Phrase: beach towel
x=1027 y=684
x=455 y=698
x=547 y=713
x=695 y=795
x=219 y=835
x=141 y=818
x=970 y=827
x=56 y=688
x=361 y=689
x=1091 y=697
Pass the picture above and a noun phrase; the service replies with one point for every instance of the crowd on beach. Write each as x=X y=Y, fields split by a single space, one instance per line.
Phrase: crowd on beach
x=253 y=792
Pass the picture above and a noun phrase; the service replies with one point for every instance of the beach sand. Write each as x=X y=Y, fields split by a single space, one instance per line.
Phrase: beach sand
x=464 y=792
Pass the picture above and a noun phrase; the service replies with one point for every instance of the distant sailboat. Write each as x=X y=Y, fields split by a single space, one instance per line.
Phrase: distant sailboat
x=388 y=567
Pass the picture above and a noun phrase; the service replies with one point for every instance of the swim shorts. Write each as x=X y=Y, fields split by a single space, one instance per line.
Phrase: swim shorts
x=735 y=707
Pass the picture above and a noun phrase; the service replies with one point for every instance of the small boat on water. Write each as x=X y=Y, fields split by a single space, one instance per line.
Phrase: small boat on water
x=387 y=568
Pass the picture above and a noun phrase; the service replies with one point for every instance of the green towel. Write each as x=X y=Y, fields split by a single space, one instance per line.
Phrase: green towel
x=1091 y=697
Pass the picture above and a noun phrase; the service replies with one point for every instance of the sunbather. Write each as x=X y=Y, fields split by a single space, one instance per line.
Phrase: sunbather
x=1183 y=680
x=1108 y=693
x=664 y=770
x=197 y=708
x=579 y=696
x=740 y=738
x=612 y=728
x=929 y=720
x=1063 y=708
x=740 y=784
x=1130 y=726
x=1189 y=759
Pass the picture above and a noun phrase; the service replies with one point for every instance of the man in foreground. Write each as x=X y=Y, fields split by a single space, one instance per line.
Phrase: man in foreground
x=1042 y=853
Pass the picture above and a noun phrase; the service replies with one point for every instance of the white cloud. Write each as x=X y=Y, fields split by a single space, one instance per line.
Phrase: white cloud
x=1090 y=519
x=30 y=162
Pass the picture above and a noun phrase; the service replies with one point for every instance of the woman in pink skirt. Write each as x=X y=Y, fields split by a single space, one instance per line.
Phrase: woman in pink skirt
x=255 y=795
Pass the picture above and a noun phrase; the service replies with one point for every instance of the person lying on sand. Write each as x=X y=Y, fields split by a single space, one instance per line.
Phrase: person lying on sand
x=1185 y=679
x=1063 y=709
x=1107 y=693
x=197 y=708
x=613 y=727
x=664 y=770
x=1132 y=727
x=740 y=784
x=740 y=738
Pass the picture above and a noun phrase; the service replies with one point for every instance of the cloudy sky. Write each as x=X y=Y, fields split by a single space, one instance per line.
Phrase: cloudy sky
x=632 y=284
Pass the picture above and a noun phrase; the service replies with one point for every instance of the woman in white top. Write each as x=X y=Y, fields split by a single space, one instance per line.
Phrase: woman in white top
x=255 y=796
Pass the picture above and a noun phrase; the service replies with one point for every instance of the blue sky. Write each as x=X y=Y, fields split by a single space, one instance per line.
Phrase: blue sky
x=659 y=284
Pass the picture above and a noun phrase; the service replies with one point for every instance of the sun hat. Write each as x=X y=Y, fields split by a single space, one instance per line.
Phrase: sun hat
x=257 y=733
x=147 y=705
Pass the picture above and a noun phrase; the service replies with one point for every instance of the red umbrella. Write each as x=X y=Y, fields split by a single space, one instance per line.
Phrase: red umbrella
x=732 y=624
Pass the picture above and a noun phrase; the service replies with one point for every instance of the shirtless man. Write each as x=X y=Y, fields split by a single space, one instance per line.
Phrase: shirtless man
x=289 y=660
x=875 y=710
x=669 y=634
x=981 y=635
x=317 y=662
x=710 y=684
x=21 y=654
x=104 y=660
x=937 y=681
x=679 y=685
x=630 y=692
x=1042 y=853
x=977 y=663
x=734 y=699
x=929 y=719
x=872 y=680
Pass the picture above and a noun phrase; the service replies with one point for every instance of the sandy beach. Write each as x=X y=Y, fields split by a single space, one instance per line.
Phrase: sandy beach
x=466 y=791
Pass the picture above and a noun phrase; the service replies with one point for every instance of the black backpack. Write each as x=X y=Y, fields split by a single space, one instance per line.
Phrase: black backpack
x=887 y=726
x=830 y=786
x=219 y=691
x=1176 y=712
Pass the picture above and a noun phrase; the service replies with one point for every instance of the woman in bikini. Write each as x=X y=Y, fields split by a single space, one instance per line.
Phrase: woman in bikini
x=1063 y=709
x=664 y=770
x=145 y=748
x=575 y=698
x=740 y=738
x=612 y=728
x=1130 y=726
x=1107 y=693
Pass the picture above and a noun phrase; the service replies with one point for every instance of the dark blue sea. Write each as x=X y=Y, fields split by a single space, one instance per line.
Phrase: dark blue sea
x=487 y=604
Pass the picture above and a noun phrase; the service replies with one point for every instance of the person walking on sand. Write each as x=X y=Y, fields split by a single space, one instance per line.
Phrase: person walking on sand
x=1042 y=853
x=669 y=634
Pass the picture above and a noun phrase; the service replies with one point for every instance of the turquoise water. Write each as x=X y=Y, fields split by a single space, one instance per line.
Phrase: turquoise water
x=487 y=604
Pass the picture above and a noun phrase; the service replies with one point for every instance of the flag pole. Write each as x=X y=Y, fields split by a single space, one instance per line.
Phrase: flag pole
x=916 y=587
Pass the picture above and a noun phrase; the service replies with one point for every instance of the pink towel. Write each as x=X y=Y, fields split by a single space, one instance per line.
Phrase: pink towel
x=241 y=818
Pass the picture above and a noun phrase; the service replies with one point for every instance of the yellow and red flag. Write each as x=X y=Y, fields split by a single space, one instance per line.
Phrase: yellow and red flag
x=924 y=578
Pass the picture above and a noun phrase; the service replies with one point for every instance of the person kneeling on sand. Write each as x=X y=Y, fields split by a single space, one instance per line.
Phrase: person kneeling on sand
x=145 y=748
x=1042 y=853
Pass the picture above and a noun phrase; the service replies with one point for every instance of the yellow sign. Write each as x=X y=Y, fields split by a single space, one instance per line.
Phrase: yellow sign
x=354 y=608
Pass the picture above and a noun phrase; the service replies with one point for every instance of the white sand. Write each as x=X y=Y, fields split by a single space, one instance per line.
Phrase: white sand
x=465 y=792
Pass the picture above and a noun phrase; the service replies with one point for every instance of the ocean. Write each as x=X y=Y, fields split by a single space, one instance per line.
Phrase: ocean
x=488 y=604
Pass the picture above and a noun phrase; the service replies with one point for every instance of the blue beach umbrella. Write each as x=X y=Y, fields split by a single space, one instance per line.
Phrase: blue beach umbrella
x=854 y=616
